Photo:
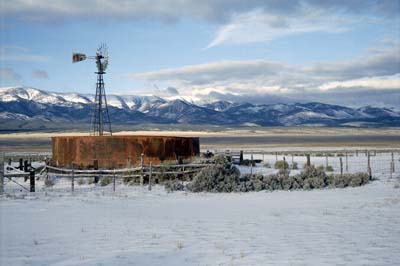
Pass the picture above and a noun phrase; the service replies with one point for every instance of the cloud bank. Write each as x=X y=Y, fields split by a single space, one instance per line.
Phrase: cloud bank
x=20 y=54
x=369 y=75
x=171 y=10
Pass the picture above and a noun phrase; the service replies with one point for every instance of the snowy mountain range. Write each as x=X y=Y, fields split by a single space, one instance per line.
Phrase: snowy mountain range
x=24 y=108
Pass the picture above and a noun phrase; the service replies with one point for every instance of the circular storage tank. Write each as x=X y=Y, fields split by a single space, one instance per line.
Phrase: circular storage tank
x=107 y=152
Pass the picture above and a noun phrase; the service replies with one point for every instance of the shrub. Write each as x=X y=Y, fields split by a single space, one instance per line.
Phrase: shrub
x=355 y=181
x=345 y=180
x=281 y=165
x=287 y=182
x=329 y=168
x=257 y=184
x=340 y=181
x=49 y=182
x=105 y=181
x=216 y=178
x=220 y=159
x=296 y=183
x=359 y=179
x=312 y=177
x=127 y=180
x=169 y=162
x=162 y=175
x=251 y=183
x=200 y=160
x=295 y=166
x=173 y=185
x=307 y=184
x=226 y=178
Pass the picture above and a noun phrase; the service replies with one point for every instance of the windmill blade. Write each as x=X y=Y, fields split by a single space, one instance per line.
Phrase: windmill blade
x=104 y=52
x=77 y=57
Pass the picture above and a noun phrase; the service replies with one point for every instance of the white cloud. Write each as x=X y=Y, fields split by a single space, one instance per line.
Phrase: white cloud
x=272 y=74
x=21 y=54
x=386 y=82
x=206 y=73
x=9 y=75
x=40 y=74
x=261 y=26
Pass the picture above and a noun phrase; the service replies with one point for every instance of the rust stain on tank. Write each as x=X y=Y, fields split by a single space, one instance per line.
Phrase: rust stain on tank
x=120 y=151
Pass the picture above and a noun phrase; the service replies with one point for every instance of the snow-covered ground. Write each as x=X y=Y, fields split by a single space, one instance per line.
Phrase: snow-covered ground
x=134 y=226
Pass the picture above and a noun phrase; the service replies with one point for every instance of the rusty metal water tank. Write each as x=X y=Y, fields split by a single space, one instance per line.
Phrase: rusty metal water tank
x=120 y=151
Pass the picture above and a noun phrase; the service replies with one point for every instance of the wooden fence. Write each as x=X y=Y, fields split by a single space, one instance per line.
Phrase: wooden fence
x=143 y=174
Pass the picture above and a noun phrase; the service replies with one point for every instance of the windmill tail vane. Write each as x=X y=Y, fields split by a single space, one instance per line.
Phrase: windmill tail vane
x=77 y=57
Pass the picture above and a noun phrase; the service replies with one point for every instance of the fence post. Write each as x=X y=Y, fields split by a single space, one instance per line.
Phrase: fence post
x=32 y=181
x=369 y=165
x=150 y=175
x=21 y=164
x=251 y=164
x=142 y=171
x=347 y=162
x=308 y=160
x=73 y=179
x=47 y=171
x=26 y=166
x=1 y=173
x=114 y=180
x=341 y=166
x=96 y=167
x=393 y=169
x=292 y=160
x=183 y=174
x=276 y=156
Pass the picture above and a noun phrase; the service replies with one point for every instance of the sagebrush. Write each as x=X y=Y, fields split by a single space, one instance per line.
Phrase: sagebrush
x=227 y=178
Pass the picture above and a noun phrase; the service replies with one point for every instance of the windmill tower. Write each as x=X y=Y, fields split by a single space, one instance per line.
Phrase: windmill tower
x=101 y=123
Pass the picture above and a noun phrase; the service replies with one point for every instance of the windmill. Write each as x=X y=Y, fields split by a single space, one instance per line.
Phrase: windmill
x=101 y=123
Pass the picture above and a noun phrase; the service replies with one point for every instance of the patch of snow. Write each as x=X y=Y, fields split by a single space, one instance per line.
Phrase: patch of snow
x=8 y=115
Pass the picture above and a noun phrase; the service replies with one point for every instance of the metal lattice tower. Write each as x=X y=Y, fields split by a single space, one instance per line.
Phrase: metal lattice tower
x=101 y=123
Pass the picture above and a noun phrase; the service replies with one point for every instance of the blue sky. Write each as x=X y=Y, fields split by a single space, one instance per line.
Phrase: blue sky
x=259 y=51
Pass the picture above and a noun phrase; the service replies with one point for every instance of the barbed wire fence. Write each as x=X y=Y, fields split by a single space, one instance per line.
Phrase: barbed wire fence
x=20 y=171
